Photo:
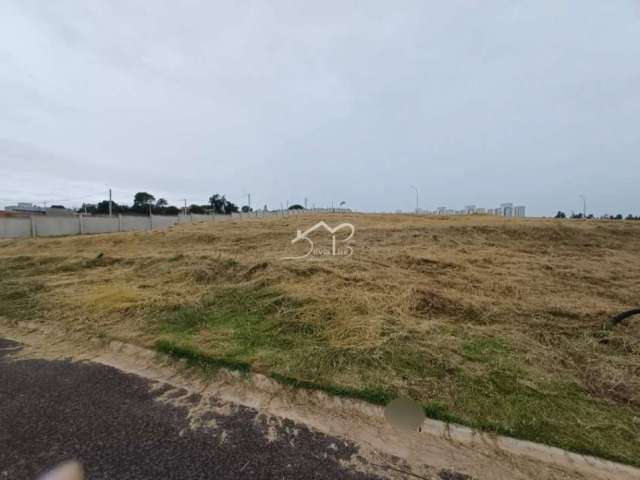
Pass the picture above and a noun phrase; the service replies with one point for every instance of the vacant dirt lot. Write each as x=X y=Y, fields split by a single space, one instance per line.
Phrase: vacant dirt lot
x=493 y=323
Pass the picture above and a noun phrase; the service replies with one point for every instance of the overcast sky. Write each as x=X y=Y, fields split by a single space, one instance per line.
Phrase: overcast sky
x=473 y=102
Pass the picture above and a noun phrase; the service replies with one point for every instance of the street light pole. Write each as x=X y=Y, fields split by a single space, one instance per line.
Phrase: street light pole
x=584 y=206
x=417 y=198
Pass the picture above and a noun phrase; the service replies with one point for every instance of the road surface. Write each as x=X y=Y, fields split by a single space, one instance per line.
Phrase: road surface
x=113 y=424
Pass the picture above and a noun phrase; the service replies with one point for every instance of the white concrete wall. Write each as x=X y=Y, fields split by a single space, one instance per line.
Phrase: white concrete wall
x=45 y=226
x=197 y=217
x=54 y=226
x=12 y=227
x=132 y=222
x=184 y=218
x=162 y=221
x=99 y=224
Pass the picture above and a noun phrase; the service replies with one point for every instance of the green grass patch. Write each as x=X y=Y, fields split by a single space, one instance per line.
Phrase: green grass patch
x=250 y=324
x=196 y=358
x=484 y=349
x=376 y=396
x=19 y=300
x=439 y=411
x=493 y=389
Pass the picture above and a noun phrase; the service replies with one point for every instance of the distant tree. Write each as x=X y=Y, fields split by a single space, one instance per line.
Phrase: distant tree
x=296 y=206
x=576 y=216
x=143 y=198
x=103 y=207
x=197 y=209
x=88 y=208
x=219 y=204
x=561 y=214
x=160 y=207
x=619 y=216
x=246 y=209
x=590 y=216
x=171 y=210
x=61 y=207
x=230 y=208
x=142 y=202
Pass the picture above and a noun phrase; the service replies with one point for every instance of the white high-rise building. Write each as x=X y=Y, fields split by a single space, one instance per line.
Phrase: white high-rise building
x=519 y=211
x=507 y=209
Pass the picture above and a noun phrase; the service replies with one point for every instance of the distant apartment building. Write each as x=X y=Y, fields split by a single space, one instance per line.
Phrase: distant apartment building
x=507 y=209
x=504 y=210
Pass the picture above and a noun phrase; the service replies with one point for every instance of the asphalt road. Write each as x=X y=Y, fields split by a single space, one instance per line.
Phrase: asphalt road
x=52 y=411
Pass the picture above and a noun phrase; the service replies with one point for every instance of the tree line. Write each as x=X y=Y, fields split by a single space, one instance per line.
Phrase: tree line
x=606 y=216
x=145 y=203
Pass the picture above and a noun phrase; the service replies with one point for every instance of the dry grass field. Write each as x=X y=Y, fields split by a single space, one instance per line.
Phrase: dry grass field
x=489 y=322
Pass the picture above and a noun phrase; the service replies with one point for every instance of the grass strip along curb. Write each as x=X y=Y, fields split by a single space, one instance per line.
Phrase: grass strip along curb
x=196 y=358
x=374 y=396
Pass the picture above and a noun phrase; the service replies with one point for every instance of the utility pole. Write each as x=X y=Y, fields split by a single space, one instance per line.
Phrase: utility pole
x=584 y=206
x=185 y=205
x=110 y=210
x=249 y=200
x=417 y=198
x=305 y=203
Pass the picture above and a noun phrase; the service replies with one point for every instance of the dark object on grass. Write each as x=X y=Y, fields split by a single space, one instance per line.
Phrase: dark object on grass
x=619 y=318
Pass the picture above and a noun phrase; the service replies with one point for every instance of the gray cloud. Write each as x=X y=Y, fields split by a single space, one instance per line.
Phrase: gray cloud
x=474 y=102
